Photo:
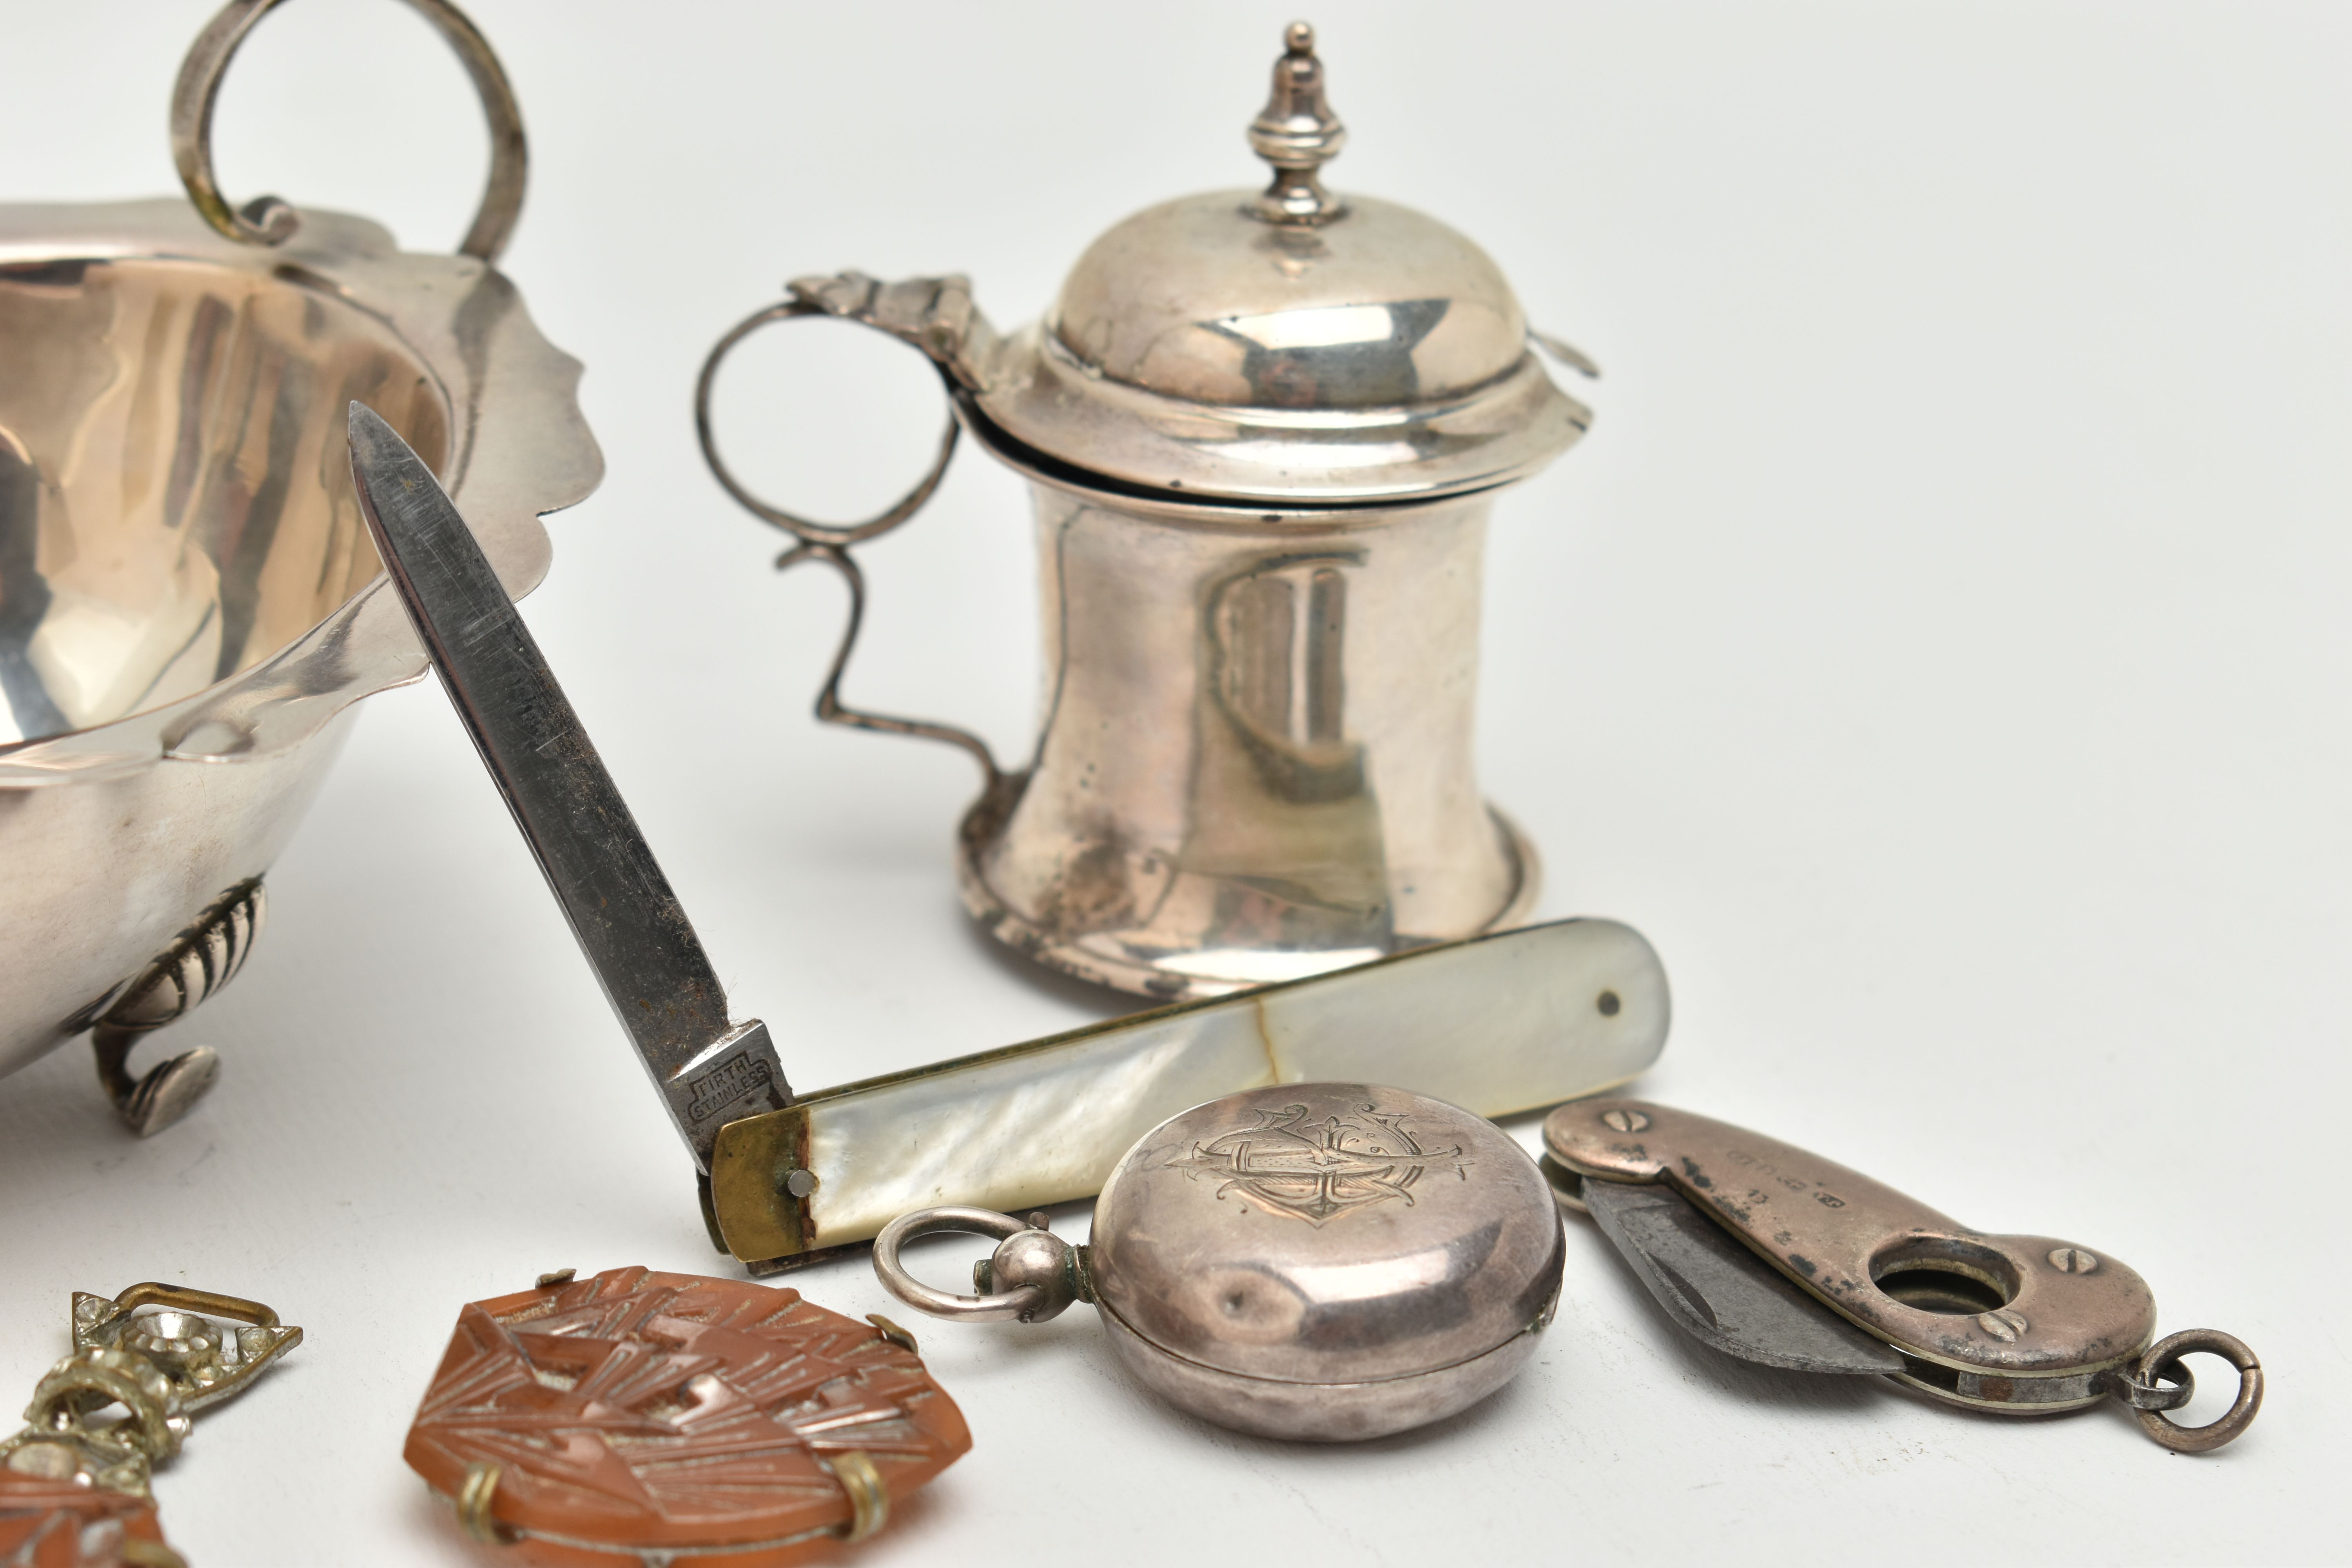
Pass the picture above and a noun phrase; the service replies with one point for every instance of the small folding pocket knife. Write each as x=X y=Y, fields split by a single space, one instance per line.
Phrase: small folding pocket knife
x=1772 y=1254
x=1496 y=1024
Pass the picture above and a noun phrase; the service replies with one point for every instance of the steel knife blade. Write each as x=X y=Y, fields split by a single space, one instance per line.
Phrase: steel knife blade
x=1719 y=1292
x=710 y=1069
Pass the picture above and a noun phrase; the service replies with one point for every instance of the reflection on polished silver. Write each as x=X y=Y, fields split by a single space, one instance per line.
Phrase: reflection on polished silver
x=1322 y=1261
x=188 y=601
x=1263 y=433
x=267 y=220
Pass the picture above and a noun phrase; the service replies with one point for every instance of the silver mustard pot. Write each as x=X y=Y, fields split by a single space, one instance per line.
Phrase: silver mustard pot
x=1323 y=1262
x=1263 y=432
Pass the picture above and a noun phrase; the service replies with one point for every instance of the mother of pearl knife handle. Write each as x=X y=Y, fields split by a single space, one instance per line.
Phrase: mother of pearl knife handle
x=1496 y=1025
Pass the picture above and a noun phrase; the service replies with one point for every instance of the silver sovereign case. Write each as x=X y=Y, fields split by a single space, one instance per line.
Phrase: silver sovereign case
x=1320 y=1262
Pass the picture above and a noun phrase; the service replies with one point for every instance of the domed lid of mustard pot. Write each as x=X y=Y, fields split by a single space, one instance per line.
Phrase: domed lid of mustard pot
x=1294 y=345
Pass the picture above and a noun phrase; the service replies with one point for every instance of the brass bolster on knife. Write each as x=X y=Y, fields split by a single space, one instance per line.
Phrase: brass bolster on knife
x=759 y=1217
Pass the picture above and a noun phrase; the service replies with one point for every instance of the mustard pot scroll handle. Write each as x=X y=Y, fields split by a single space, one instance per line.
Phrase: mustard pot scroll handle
x=267 y=220
x=937 y=316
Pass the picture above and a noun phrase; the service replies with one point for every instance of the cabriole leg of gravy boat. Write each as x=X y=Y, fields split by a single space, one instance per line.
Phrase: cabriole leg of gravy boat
x=189 y=604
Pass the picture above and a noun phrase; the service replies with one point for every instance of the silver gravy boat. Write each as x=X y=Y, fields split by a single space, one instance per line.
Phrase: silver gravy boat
x=1263 y=432
x=189 y=603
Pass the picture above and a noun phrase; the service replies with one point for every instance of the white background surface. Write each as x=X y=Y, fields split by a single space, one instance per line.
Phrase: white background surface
x=1938 y=649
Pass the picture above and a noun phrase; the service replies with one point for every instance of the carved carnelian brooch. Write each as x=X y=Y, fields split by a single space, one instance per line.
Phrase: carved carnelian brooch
x=647 y=1415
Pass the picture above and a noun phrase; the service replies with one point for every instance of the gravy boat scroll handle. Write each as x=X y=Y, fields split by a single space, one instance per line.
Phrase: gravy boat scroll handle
x=1496 y=1025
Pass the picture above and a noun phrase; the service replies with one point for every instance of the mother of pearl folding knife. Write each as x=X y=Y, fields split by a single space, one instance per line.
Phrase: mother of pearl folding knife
x=1496 y=1025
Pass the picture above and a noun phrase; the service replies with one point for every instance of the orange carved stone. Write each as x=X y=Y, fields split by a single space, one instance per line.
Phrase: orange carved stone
x=47 y=1522
x=635 y=1413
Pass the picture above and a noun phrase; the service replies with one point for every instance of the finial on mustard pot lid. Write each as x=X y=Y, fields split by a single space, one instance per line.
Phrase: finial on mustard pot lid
x=1297 y=134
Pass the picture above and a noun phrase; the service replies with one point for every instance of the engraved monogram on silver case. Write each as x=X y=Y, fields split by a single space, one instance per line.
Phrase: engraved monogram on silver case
x=1286 y=1162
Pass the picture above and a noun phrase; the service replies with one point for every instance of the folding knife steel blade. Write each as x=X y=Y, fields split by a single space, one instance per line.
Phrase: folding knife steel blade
x=1813 y=1266
x=1497 y=1024
x=708 y=1069
x=1724 y=1295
